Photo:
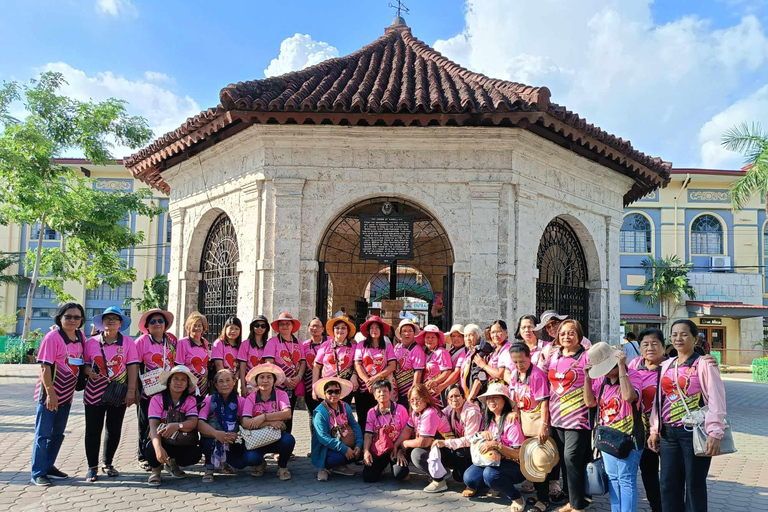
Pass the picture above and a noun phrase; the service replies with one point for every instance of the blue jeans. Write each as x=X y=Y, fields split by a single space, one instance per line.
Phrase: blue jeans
x=335 y=459
x=622 y=481
x=49 y=434
x=502 y=478
x=283 y=448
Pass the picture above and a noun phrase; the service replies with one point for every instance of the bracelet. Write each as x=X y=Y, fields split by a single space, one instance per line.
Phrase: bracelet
x=625 y=375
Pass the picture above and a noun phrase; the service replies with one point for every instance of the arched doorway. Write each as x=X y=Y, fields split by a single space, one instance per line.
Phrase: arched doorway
x=562 y=283
x=218 y=266
x=339 y=259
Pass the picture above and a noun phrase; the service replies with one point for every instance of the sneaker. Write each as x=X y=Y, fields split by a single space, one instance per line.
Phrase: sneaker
x=57 y=474
x=42 y=481
x=343 y=470
x=322 y=475
x=435 y=486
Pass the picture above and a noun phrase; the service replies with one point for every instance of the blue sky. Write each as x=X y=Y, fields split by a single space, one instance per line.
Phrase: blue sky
x=669 y=75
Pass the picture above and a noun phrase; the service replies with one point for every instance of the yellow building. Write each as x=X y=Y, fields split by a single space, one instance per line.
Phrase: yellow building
x=149 y=259
x=692 y=218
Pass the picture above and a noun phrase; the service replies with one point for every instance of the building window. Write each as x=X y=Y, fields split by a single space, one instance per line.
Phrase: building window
x=39 y=313
x=707 y=235
x=636 y=234
x=41 y=292
x=48 y=234
x=168 y=230
x=104 y=292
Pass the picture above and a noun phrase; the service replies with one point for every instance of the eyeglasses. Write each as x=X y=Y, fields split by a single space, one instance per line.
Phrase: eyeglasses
x=157 y=321
x=260 y=326
x=332 y=391
x=72 y=317
x=457 y=397
x=110 y=318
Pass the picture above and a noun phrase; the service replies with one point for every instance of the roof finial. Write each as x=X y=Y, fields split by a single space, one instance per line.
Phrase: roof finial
x=401 y=8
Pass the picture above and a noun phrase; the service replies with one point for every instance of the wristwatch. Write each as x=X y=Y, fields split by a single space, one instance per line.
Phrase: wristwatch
x=181 y=426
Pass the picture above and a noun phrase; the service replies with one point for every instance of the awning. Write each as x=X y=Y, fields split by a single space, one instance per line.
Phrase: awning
x=726 y=309
x=642 y=318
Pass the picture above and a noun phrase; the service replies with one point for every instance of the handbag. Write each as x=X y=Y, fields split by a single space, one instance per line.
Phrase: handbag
x=595 y=478
x=150 y=381
x=173 y=415
x=489 y=458
x=530 y=421
x=343 y=432
x=258 y=437
x=612 y=441
x=382 y=443
x=693 y=421
x=114 y=394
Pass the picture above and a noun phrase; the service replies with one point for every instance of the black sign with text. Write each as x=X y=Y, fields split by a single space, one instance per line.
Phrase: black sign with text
x=386 y=238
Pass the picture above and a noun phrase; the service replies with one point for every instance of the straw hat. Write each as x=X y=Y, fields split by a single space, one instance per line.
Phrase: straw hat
x=319 y=387
x=155 y=311
x=344 y=319
x=455 y=328
x=179 y=368
x=434 y=330
x=546 y=317
x=111 y=310
x=538 y=460
x=602 y=356
x=266 y=368
x=286 y=316
x=403 y=323
x=385 y=328
x=497 y=389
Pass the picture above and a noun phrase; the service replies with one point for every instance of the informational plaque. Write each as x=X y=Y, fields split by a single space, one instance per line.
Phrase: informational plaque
x=386 y=238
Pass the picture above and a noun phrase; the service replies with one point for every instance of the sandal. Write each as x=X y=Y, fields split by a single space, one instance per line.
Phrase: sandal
x=208 y=476
x=93 y=475
x=144 y=465
x=154 y=479
x=110 y=470
x=468 y=492
x=258 y=471
x=176 y=471
x=557 y=498
x=283 y=474
x=517 y=506
x=534 y=505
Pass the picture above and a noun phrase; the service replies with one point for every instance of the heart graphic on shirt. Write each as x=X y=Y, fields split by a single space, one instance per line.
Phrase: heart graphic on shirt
x=344 y=361
x=525 y=403
x=199 y=365
x=254 y=360
x=290 y=359
x=609 y=410
x=310 y=360
x=649 y=395
x=230 y=359
x=401 y=363
x=669 y=388
x=431 y=369
x=113 y=365
x=562 y=382
x=373 y=365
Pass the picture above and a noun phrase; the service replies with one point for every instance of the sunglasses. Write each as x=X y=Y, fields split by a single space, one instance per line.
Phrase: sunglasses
x=260 y=326
x=332 y=391
x=157 y=321
x=72 y=317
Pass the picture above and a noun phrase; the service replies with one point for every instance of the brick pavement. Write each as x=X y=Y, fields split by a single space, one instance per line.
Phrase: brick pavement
x=738 y=481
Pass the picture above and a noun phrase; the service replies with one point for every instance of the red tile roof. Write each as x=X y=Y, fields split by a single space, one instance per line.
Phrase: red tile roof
x=396 y=80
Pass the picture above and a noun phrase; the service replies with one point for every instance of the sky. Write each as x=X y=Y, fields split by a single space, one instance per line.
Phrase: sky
x=671 y=76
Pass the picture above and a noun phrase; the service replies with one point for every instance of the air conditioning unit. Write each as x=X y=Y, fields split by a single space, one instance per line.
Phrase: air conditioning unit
x=720 y=264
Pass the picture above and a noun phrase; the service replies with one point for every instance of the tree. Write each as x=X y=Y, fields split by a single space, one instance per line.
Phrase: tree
x=36 y=191
x=155 y=294
x=6 y=261
x=752 y=142
x=666 y=284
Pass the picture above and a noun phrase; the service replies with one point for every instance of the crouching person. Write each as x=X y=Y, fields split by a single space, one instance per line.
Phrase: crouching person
x=384 y=424
x=336 y=436
x=173 y=439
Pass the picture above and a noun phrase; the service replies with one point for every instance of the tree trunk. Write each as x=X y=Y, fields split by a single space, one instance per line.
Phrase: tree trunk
x=33 y=283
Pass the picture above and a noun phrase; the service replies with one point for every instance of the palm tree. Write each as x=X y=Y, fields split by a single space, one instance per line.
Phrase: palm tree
x=666 y=286
x=752 y=142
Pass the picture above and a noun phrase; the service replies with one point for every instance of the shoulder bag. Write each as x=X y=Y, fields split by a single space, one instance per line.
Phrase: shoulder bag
x=114 y=394
x=610 y=440
x=491 y=457
x=530 y=421
x=258 y=437
x=595 y=477
x=173 y=415
x=382 y=442
x=82 y=378
x=150 y=381
x=343 y=432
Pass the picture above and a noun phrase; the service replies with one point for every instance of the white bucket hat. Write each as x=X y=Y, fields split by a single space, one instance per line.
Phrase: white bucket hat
x=179 y=368
x=602 y=356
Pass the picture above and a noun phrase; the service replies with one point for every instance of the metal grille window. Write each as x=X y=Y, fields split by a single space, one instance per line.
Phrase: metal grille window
x=707 y=235
x=635 y=234
x=104 y=292
x=219 y=286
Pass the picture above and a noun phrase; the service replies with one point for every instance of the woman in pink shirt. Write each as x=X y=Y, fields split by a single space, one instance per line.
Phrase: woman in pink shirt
x=374 y=360
x=494 y=366
x=438 y=365
x=391 y=418
x=289 y=356
x=337 y=357
x=193 y=351
x=410 y=359
x=253 y=351
x=227 y=346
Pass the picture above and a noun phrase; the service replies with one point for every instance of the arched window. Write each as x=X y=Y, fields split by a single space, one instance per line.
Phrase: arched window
x=706 y=235
x=636 y=234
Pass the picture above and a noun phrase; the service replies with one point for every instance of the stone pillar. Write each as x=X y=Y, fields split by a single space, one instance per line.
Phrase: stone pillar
x=461 y=298
x=484 y=265
x=527 y=245
x=176 y=291
x=248 y=240
x=605 y=294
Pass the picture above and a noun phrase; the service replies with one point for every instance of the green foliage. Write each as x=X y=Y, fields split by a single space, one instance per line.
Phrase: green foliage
x=752 y=142
x=666 y=283
x=14 y=355
x=760 y=369
x=155 y=294
x=8 y=260
x=717 y=355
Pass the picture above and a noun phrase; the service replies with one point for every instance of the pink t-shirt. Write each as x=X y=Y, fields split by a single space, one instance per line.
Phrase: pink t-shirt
x=205 y=408
x=567 y=408
x=614 y=411
x=225 y=353
x=409 y=360
x=288 y=355
x=255 y=406
x=158 y=412
x=253 y=356
x=458 y=356
x=310 y=355
x=512 y=433
x=375 y=360
x=195 y=357
x=119 y=355
x=649 y=379
x=151 y=353
x=430 y=423
x=394 y=426
x=65 y=358
x=672 y=408
x=500 y=357
x=530 y=390
x=467 y=422
x=540 y=355
x=437 y=361
x=336 y=361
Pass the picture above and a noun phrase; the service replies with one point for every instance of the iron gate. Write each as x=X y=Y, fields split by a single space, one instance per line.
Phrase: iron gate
x=218 y=288
x=562 y=283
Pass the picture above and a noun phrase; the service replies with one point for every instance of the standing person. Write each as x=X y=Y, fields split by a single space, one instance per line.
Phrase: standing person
x=337 y=357
x=458 y=352
x=193 y=353
x=270 y=406
x=227 y=346
x=702 y=345
x=540 y=350
x=437 y=367
x=494 y=366
x=109 y=357
x=388 y=419
x=630 y=347
x=310 y=347
x=254 y=352
x=374 y=360
x=569 y=413
x=181 y=384
x=615 y=390
x=692 y=378
x=289 y=357
x=549 y=327
x=337 y=438
x=410 y=360
x=472 y=377
x=61 y=361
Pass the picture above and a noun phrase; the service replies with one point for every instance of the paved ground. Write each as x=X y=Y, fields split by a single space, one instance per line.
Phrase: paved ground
x=737 y=482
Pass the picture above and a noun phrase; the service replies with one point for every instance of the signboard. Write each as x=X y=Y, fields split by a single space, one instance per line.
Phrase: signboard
x=711 y=321
x=386 y=238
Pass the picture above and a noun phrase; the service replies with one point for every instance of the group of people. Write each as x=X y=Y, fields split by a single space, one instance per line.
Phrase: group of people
x=505 y=417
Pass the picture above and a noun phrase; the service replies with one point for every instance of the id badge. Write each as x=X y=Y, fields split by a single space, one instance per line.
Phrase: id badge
x=75 y=361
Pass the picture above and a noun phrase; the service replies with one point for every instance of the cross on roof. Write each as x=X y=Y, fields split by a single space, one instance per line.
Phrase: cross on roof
x=401 y=8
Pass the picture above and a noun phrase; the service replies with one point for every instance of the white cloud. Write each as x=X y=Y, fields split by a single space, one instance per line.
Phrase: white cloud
x=656 y=84
x=298 y=52
x=163 y=109
x=157 y=77
x=117 y=8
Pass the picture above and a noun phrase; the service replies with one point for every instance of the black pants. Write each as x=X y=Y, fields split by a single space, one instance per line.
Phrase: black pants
x=457 y=460
x=373 y=472
x=683 y=474
x=142 y=417
x=364 y=402
x=183 y=455
x=649 y=469
x=292 y=398
x=94 y=424
x=574 y=447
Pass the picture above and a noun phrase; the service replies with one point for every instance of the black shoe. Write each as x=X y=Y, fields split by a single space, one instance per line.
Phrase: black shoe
x=56 y=474
x=558 y=498
x=42 y=481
